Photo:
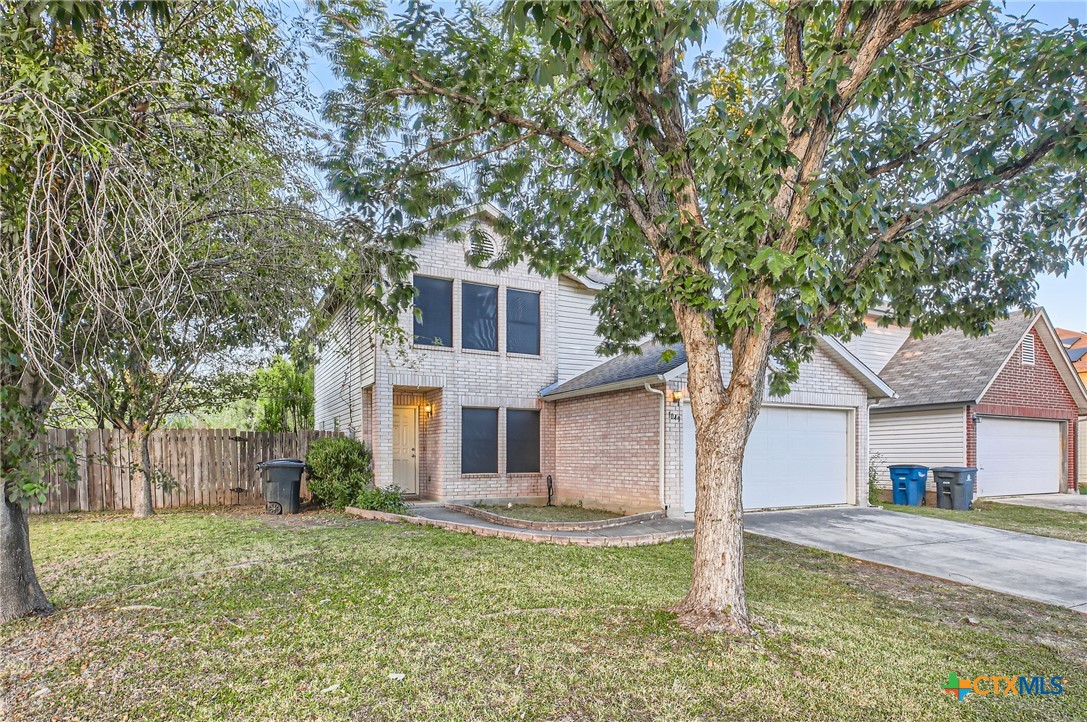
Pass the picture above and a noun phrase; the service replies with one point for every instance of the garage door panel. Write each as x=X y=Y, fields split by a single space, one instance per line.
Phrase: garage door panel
x=1018 y=456
x=795 y=457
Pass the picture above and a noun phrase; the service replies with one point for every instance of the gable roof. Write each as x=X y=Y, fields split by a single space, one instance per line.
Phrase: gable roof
x=648 y=366
x=952 y=368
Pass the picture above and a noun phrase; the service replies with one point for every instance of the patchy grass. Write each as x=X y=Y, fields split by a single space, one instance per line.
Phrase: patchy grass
x=1054 y=523
x=529 y=512
x=209 y=617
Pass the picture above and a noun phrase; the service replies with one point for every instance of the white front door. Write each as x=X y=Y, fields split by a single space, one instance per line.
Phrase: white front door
x=405 y=443
x=795 y=456
x=1017 y=456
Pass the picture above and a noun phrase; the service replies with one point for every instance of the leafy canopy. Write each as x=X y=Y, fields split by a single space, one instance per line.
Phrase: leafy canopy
x=766 y=164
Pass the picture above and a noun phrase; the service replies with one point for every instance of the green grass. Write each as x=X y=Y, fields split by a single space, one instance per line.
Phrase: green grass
x=308 y=618
x=529 y=512
x=1069 y=525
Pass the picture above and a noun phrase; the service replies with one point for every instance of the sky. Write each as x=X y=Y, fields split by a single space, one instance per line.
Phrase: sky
x=1064 y=297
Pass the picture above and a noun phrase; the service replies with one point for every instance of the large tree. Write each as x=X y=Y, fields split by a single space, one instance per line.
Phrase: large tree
x=753 y=175
x=142 y=150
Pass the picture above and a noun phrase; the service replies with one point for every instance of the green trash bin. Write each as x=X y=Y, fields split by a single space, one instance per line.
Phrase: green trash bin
x=282 y=485
x=954 y=486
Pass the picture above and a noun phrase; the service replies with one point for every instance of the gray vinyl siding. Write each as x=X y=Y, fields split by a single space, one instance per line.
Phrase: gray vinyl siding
x=877 y=345
x=929 y=438
x=345 y=366
x=577 y=338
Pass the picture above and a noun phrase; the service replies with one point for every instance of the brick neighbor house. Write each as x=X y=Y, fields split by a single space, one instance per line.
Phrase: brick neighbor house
x=500 y=390
x=1006 y=402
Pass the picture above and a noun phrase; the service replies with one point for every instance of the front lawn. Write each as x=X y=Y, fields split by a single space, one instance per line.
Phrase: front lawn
x=212 y=617
x=529 y=512
x=1054 y=523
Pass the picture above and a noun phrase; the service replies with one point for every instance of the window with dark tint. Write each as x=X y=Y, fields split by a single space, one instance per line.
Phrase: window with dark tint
x=479 y=317
x=522 y=441
x=433 y=311
x=522 y=322
x=479 y=441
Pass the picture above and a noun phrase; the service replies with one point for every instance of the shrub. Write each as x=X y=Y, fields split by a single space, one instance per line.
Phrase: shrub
x=377 y=499
x=339 y=470
x=875 y=463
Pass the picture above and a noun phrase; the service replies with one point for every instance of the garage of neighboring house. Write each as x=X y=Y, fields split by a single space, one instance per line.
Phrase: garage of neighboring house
x=1006 y=402
x=808 y=448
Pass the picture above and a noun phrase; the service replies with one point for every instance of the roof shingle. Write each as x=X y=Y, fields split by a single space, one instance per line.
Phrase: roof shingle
x=627 y=367
x=951 y=367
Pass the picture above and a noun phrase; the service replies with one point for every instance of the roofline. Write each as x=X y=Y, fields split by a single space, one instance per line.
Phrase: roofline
x=869 y=378
x=919 y=407
x=584 y=281
x=605 y=388
x=1064 y=366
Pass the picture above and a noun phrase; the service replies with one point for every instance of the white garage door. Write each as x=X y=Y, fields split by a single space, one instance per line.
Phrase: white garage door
x=1018 y=457
x=795 y=457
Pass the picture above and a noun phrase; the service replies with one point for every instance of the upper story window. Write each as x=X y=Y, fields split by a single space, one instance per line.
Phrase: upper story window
x=1028 y=350
x=479 y=317
x=433 y=311
x=522 y=322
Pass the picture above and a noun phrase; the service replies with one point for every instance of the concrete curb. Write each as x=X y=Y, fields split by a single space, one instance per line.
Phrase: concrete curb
x=535 y=537
x=554 y=525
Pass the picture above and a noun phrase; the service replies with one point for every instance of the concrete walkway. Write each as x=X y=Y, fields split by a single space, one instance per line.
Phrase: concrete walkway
x=638 y=533
x=1058 y=502
x=1047 y=570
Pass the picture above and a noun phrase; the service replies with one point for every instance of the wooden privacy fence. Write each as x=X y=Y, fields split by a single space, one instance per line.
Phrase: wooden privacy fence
x=206 y=467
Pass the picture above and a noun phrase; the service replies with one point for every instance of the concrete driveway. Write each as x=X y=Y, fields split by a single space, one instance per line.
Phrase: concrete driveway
x=1059 y=502
x=1047 y=570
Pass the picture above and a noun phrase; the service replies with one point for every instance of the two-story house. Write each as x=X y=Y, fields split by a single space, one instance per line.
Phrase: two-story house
x=500 y=389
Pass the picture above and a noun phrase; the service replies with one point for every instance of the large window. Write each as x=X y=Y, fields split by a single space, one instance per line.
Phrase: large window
x=433 y=311
x=522 y=322
x=479 y=441
x=479 y=317
x=522 y=441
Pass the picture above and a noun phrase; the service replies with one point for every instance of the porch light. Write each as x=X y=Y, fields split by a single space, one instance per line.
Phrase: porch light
x=677 y=395
x=428 y=409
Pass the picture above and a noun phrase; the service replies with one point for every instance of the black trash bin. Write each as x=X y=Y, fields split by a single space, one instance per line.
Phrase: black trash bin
x=954 y=486
x=282 y=484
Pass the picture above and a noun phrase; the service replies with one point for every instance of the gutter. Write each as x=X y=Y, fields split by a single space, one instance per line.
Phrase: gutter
x=602 y=389
x=660 y=445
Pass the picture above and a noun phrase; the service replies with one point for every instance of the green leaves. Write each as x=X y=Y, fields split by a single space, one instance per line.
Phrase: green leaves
x=691 y=100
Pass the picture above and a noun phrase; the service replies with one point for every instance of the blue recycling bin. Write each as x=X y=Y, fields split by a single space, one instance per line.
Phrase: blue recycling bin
x=908 y=483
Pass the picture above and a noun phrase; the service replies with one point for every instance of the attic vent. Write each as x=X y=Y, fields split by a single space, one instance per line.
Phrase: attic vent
x=480 y=248
x=1028 y=350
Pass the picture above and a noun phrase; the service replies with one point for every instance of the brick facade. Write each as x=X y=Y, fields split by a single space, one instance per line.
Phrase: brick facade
x=450 y=378
x=607 y=444
x=601 y=450
x=607 y=450
x=1034 y=391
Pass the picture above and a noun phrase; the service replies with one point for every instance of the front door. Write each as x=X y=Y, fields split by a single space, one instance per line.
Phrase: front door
x=405 y=443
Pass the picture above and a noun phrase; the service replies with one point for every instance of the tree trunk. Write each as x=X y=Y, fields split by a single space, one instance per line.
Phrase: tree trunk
x=717 y=600
x=24 y=401
x=142 y=495
x=20 y=593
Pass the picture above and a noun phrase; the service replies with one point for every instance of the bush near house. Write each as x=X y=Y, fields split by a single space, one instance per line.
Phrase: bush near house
x=341 y=474
x=339 y=470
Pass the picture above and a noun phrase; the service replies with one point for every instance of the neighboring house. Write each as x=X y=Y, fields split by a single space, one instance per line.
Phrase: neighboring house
x=501 y=390
x=1075 y=343
x=1006 y=402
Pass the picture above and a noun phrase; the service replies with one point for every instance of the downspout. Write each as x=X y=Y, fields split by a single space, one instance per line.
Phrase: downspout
x=660 y=445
